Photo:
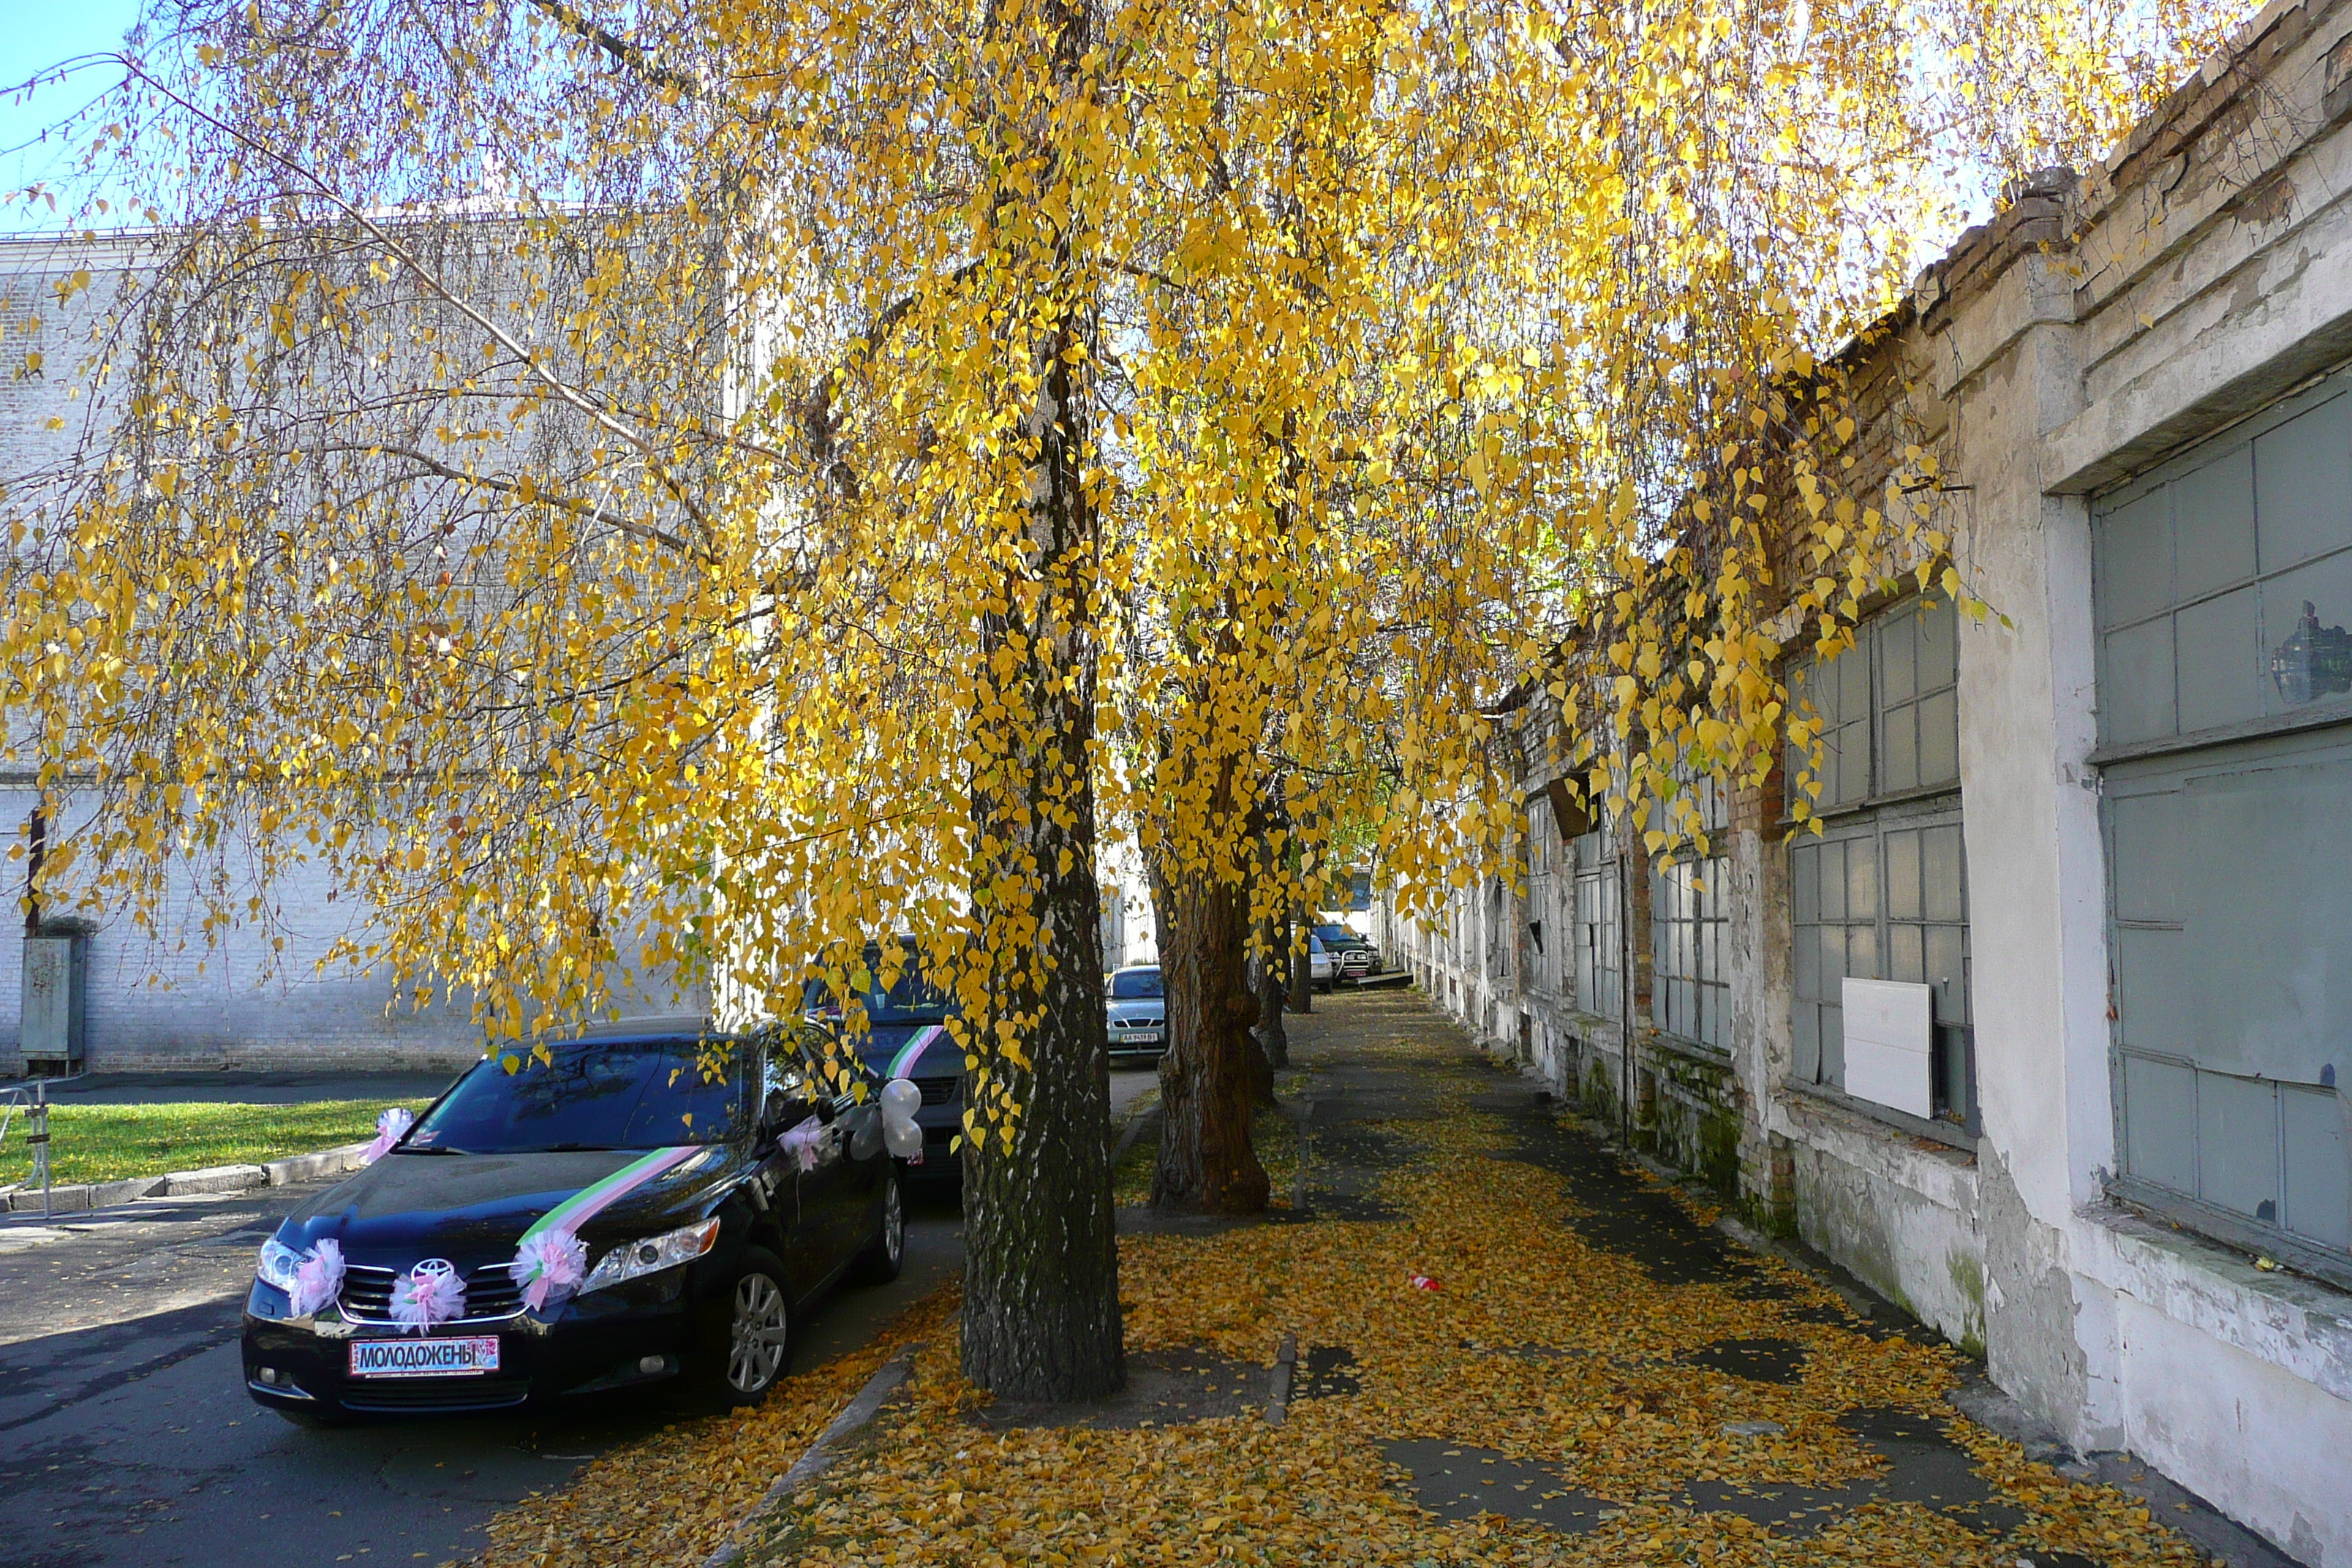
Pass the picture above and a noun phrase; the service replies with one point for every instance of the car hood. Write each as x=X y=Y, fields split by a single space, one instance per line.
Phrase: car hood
x=912 y=1050
x=1140 y=1007
x=472 y=1209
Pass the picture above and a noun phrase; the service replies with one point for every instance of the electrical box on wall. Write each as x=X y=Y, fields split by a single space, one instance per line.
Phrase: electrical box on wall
x=1889 y=1032
x=53 y=1004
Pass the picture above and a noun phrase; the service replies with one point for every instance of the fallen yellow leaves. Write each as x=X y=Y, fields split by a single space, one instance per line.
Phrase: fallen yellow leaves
x=1542 y=1346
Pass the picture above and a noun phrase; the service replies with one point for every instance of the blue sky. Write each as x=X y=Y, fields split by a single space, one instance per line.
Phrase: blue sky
x=35 y=35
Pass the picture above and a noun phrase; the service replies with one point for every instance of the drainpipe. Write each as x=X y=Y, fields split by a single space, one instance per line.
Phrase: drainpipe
x=1625 y=979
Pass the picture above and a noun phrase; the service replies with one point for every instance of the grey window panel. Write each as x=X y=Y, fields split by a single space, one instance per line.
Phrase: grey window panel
x=2327 y=586
x=1899 y=747
x=2237 y=1144
x=1861 y=879
x=1807 y=1038
x=2160 y=1122
x=2303 y=484
x=1943 y=874
x=2318 y=1165
x=2136 y=696
x=2213 y=526
x=1907 y=953
x=2262 y=979
x=1808 y=979
x=1830 y=940
x=1862 y=952
x=1898 y=660
x=1939 y=738
x=2146 y=885
x=1945 y=961
x=2134 y=559
x=1939 y=645
x=1830 y=860
x=2218 y=655
x=1852 y=671
x=2157 y=999
x=1904 y=875
x=1833 y=1045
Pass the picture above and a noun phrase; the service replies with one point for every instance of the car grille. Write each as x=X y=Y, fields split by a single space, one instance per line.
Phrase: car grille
x=937 y=1091
x=490 y=1293
x=1135 y=1023
x=435 y=1393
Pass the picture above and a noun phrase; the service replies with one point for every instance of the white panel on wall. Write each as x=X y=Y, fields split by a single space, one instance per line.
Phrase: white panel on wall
x=1887 y=1037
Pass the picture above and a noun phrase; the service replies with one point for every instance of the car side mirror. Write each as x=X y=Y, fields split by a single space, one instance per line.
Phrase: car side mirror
x=787 y=1108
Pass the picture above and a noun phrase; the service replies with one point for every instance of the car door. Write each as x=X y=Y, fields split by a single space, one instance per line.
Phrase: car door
x=803 y=1165
x=852 y=1156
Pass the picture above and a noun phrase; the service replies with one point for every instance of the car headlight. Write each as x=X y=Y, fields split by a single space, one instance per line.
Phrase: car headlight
x=277 y=1265
x=653 y=1254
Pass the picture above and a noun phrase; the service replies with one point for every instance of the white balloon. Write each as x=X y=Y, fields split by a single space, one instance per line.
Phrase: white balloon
x=900 y=1101
x=905 y=1138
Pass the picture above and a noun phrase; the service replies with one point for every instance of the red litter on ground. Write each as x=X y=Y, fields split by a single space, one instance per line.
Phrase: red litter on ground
x=1424 y=1282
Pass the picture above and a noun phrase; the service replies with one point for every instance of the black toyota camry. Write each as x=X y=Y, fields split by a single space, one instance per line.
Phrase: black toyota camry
x=694 y=1191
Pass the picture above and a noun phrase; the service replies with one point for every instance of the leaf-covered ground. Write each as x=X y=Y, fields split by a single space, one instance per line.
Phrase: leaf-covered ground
x=1576 y=1342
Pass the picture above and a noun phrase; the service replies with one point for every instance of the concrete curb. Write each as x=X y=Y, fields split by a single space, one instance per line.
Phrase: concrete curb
x=82 y=1195
x=1285 y=1366
x=886 y=1382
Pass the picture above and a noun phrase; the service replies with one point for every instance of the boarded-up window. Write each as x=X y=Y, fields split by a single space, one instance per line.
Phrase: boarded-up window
x=2222 y=584
x=1598 y=965
x=1690 y=929
x=1882 y=894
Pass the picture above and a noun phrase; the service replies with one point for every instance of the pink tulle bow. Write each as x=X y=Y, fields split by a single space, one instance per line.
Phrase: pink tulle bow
x=800 y=1140
x=390 y=1128
x=548 y=1266
x=425 y=1295
x=318 y=1279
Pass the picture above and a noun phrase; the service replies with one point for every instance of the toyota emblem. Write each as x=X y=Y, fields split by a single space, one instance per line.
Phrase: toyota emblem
x=433 y=1268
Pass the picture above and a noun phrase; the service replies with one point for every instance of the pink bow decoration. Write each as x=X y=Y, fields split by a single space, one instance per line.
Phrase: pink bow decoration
x=800 y=1140
x=390 y=1128
x=428 y=1294
x=548 y=1266
x=318 y=1279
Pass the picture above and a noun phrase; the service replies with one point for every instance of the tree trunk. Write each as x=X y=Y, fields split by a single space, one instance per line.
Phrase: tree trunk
x=1302 y=964
x=1209 y=1079
x=1041 y=1319
x=1041 y=1315
x=1272 y=987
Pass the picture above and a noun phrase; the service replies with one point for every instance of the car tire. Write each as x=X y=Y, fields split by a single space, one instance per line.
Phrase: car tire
x=887 y=1253
x=747 y=1335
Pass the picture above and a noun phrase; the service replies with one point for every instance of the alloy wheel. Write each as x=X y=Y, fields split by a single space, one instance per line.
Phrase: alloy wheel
x=894 y=1222
x=757 y=1351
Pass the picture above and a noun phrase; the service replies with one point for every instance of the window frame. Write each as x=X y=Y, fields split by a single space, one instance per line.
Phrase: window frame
x=2130 y=768
x=1871 y=816
x=1598 y=938
x=1687 y=879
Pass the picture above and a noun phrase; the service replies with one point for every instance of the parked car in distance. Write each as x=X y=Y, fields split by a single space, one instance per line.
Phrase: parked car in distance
x=907 y=1037
x=1322 y=964
x=738 y=1181
x=1356 y=955
x=1138 y=1010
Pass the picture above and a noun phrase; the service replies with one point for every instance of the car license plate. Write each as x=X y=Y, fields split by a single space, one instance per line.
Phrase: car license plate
x=423 y=1358
x=1142 y=1037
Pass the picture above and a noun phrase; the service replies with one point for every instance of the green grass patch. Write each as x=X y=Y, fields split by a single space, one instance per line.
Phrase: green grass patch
x=109 y=1143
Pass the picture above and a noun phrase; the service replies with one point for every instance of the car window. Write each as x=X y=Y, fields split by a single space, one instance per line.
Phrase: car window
x=593 y=1094
x=912 y=1000
x=1134 y=984
x=1339 y=935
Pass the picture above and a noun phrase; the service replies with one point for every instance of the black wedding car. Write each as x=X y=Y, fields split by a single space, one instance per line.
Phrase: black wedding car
x=771 y=1182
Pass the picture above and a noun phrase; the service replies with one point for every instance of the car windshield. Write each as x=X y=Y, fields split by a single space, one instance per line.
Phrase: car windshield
x=1134 y=984
x=913 y=1000
x=1338 y=936
x=593 y=1094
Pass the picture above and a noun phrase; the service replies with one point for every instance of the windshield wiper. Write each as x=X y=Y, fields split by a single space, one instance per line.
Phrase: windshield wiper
x=576 y=1149
x=431 y=1148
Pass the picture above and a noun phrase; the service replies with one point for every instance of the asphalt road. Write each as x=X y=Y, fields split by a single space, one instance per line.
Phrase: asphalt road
x=127 y=1439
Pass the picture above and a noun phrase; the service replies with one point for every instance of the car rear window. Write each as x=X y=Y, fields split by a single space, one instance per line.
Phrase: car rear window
x=1134 y=984
x=593 y=1094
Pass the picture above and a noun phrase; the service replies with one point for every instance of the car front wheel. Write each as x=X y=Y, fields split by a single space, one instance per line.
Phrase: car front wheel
x=752 y=1347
